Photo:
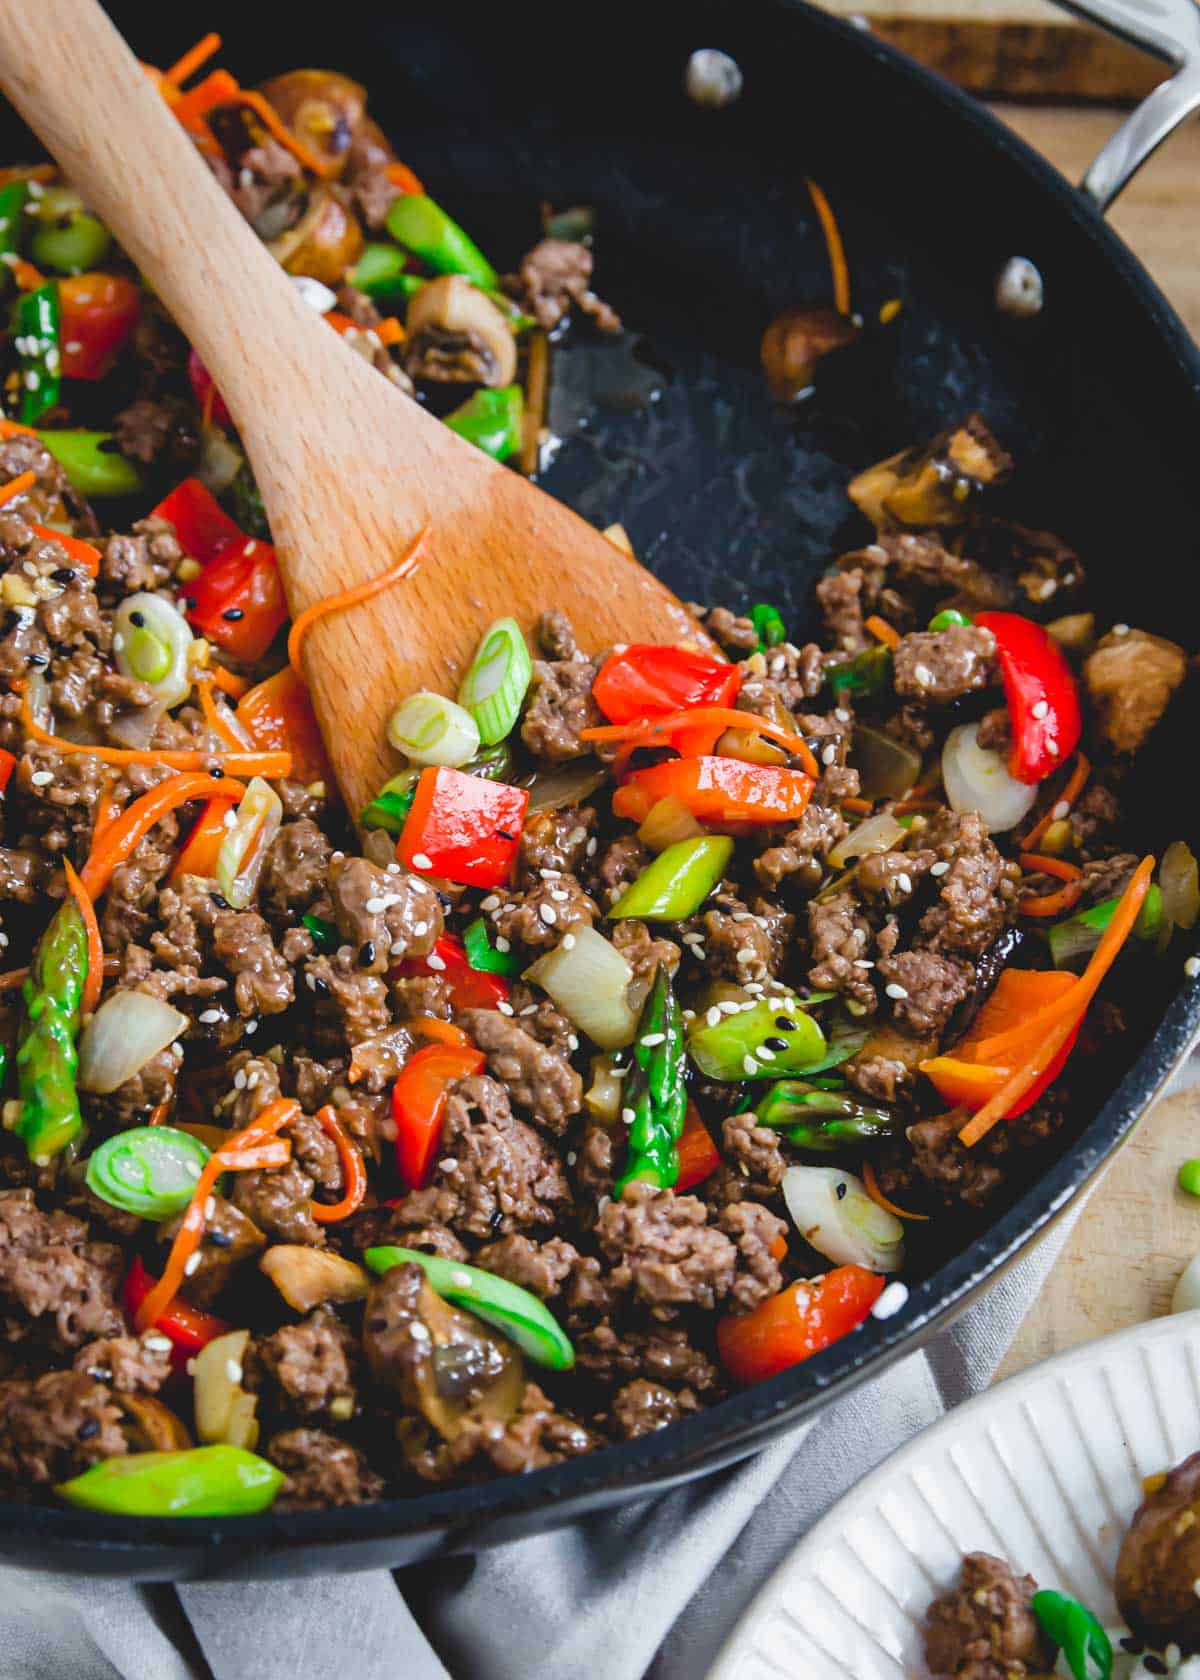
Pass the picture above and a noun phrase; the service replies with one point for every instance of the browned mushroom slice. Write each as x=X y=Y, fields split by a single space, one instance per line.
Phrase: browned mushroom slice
x=933 y=484
x=326 y=241
x=456 y=333
x=323 y=109
x=795 y=342
x=149 y=1426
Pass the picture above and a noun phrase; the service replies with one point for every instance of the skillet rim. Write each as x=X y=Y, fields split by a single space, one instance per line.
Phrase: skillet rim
x=464 y=1519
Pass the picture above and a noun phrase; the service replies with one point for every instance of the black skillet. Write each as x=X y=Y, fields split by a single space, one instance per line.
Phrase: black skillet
x=705 y=231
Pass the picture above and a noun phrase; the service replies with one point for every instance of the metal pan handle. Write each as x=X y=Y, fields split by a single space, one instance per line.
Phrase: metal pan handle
x=1170 y=29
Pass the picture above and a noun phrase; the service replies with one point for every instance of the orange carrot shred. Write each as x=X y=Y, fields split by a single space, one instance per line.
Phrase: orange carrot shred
x=275 y=125
x=1051 y=904
x=241 y=763
x=14 y=428
x=400 y=175
x=229 y=682
x=192 y=60
x=120 y=838
x=304 y=621
x=158 y=1114
x=871 y=1185
x=220 y=725
x=354 y=1172
x=833 y=244
x=1072 y=788
x=28 y=277
x=80 y=552
x=860 y=807
x=1039 y=863
x=17 y=486
x=445 y=1032
x=648 y=734
x=389 y=331
x=94 y=983
x=14 y=978
x=882 y=630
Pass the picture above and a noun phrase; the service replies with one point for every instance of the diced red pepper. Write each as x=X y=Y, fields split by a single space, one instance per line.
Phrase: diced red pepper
x=463 y=828
x=796 y=1323
x=99 y=313
x=201 y=523
x=1040 y=690
x=469 y=988
x=208 y=398
x=699 y=1156
x=717 y=790
x=188 y=1328
x=238 y=600
x=963 y=1081
x=419 y=1104
x=649 y=680
x=203 y=844
x=279 y=715
x=8 y=764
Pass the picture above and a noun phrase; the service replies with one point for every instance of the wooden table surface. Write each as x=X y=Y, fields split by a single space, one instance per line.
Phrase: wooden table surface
x=1138 y=1231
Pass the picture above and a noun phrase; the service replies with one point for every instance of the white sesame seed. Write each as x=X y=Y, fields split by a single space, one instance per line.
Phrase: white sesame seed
x=653 y=1038
x=374 y=906
x=1120 y=629
x=728 y=1007
x=398 y=948
x=572 y=1041
x=747 y=954
x=904 y=882
x=504 y=1008
x=448 y=1164
x=841 y=714
x=1192 y=967
x=1052 y=744
x=590 y=848
x=568 y=942
x=628 y=1116
x=713 y=1015
x=210 y=1017
x=550 y=874
x=559 y=896
x=890 y=1302
x=576 y=837
x=420 y=929
x=394 y=869
x=620 y=647
x=156 y=1342
x=1040 y=708
x=251 y=1027
x=420 y=861
x=435 y=962
x=938 y=868
x=895 y=990
x=754 y=985
x=418 y=1331
x=862 y=962
x=548 y=914
x=239 y=1080
x=922 y=676
x=829 y=753
x=233 y=1370
x=764 y=1054
x=491 y=902
x=503 y=945
x=192 y=1263
x=749 y=1065
x=1061 y=810
x=530 y=1009
x=42 y=778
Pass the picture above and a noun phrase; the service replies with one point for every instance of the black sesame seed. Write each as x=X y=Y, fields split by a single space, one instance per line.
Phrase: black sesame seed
x=64 y=574
x=221 y=902
x=777 y=1044
x=88 y=1428
x=37 y=660
x=190 y=603
x=503 y=834
x=138 y=620
x=321 y=986
x=841 y=1190
x=216 y=773
x=785 y=1023
x=219 y=1239
x=366 y=954
x=231 y=615
x=1154 y=1665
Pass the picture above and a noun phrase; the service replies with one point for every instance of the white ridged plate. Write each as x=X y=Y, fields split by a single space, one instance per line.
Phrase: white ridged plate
x=1044 y=1470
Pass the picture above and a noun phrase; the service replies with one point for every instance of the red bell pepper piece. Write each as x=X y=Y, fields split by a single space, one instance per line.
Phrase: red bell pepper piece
x=964 y=1081
x=208 y=399
x=649 y=679
x=717 y=790
x=279 y=715
x=99 y=312
x=419 y=1104
x=699 y=1156
x=470 y=988
x=463 y=828
x=1039 y=688
x=238 y=600
x=201 y=523
x=8 y=763
x=796 y=1323
x=188 y=1328
x=203 y=844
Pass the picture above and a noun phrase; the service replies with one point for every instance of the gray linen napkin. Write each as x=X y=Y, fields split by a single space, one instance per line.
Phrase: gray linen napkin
x=649 y=1590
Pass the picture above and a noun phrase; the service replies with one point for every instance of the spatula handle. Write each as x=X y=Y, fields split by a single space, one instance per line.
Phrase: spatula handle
x=80 y=89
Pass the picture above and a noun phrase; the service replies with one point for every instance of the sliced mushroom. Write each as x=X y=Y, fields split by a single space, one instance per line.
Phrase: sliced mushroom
x=325 y=242
x=444 y=1363
x=224 y=1410
x=149 y=1426
x=456 y=332
x=795 y=342
x=322 y=109
x=934 y=483
x=308 y=1277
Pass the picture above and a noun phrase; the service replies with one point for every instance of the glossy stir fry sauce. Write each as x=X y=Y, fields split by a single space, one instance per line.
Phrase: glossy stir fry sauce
x=664 y=995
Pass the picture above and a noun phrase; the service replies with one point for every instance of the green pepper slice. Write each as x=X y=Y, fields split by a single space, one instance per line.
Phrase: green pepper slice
x=867 y=674
x=390 y=807
x=47 y=1057
x=424 y=228
x=36 y=322
x=215 y=1481
x=1079 y=936
x=758 y=1043
x=676 y=884
x=482 y=954
x=1076 y=1631
x=93 y=463
x=491 y=420
x=768 y=621
x=823 y=1121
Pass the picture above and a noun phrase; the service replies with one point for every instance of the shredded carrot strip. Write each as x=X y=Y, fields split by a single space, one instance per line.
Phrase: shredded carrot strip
x=272 y=121
x=389 y=331
x=158 y=1114
x=648 y=734
x=445 y=1032
x=1051 y=904
x=212 y=716
x=238 y=763
x=108 y=808
x=354 y=1172
x=235 y=1156
x=14 y=978
x=1058 y=1019
x=28 y=277
x=304 y=621
x=833 y=244
x=13 y=428
x=860 y=807
x=120 y=838
x=94 y=983
x=28 y=172
x=882 y=630
x=82 y=553
x=17 y=486
x=229 y=681
x=871 y=1185
x=400 y=175
x=1039 y=863
x=1072 y=788
x=192 y=60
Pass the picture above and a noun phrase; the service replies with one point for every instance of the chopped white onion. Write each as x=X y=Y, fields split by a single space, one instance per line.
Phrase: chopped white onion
x=878 y=834
x=568 y=785
x=833 y=1213
x=315 y=293
x=667 y=822
x=220 y=459
x=977 y=779
x=1187 y=1290
x=247 y=841
x=588 y=980
x=127 y=1030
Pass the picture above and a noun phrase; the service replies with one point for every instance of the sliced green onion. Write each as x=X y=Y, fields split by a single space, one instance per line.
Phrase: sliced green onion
x=822 y=1120
x=325 y=934
x=948 y=617
x=1078 y=937
x=150 y=1171
x=93 y=463
x=867 y=674
x=520 y=1315
x=846 y=1039
x=429 y=729
x=482 y=954
x=491 y=420
x=380 y=271
x=758 y=1043
x=36 y=322
x=390 y=807
x=424 y=228
x=495 y=684
x=677 y=882
x=494 y=763
x=1080 y=1637
x=152 y=643
x=247 y=841
x=72 y=246
x=768 y=621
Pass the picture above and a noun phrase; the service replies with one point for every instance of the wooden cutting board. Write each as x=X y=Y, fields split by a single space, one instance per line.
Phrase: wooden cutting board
x=1009 y=48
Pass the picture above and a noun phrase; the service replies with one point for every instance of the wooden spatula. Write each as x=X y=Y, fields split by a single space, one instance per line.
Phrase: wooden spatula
x=350 y=469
